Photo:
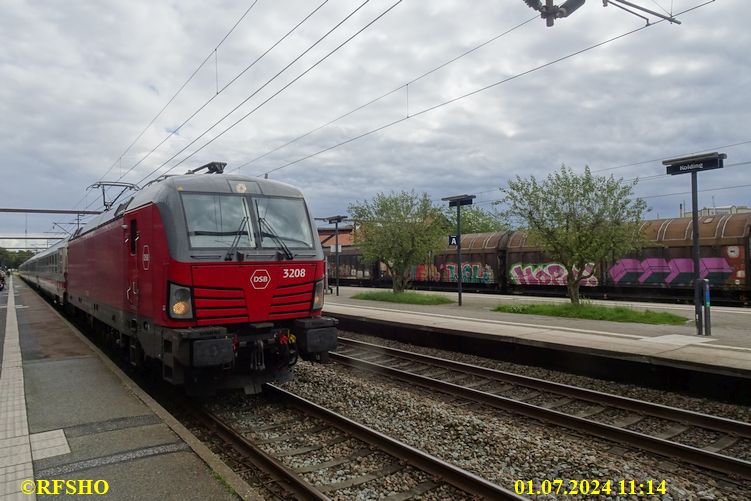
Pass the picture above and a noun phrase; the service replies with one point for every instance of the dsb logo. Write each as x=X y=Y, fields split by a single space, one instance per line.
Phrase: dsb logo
x=260 y=279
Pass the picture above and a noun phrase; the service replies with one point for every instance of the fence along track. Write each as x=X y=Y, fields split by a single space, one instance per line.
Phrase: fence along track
x=661 y=445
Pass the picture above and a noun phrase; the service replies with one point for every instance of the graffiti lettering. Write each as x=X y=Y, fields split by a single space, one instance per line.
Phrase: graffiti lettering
x=472 y=273
x=551 y=273
x=679 y=271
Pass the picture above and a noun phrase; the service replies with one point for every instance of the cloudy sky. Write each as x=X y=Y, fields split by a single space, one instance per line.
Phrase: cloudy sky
x=83 y=84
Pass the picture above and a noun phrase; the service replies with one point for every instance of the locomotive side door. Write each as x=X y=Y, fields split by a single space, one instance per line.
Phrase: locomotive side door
x=132 y=291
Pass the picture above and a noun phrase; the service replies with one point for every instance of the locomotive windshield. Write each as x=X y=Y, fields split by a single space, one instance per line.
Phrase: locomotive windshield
x=217 y=221
x=284 y=219
x=224 y=221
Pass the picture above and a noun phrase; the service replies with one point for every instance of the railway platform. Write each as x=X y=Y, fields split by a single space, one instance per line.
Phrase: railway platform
x=67 y=413
x=604 y=344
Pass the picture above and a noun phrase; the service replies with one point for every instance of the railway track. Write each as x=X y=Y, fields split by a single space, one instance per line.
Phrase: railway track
x=290 y=438
x=607 y=416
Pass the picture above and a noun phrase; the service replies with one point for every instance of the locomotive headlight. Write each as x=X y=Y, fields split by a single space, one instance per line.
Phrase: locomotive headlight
x=180 y=308
x=318 y=296
x=180 y=304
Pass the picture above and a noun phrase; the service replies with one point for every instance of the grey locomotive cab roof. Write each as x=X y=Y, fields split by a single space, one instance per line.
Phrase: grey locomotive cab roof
x=212 y=183
x=162 y=192
x=165 y=194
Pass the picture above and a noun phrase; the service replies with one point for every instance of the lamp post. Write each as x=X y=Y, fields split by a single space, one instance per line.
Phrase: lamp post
x=457 y=201
x=335 y=220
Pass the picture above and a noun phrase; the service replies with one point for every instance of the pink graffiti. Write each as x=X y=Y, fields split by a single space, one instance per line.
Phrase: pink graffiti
x=678 y=271
x=547 y=274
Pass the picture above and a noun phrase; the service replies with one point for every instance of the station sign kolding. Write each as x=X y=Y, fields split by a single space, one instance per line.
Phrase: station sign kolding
x=462 y=201
x=694 y=164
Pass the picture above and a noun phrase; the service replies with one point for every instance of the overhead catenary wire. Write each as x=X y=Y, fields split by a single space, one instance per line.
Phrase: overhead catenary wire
x=219 y=91
x=233 y=80
x=412 y=81
x=648 y=178
x=454 y=99
x=319 y=61
x=662 y=8
x=698 y=191
x=180 y=89
x=652 y=177
x=190 y=78
x=476 y=91
x=458 y=98
x=702 y=150
x=382 y=96
x=255 y=92
x=646 y=162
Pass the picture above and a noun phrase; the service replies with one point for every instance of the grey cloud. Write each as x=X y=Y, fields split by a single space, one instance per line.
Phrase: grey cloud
x=80 y=81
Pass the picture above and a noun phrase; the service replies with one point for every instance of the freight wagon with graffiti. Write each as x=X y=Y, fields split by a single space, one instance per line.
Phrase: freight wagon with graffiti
x=507 y=262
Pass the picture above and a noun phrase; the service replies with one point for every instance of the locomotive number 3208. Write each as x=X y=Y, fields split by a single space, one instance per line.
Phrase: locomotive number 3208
x=294 y=272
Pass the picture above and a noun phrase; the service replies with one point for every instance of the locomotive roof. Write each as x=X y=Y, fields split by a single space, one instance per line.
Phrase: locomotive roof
x=159 y=192
x=213 y=183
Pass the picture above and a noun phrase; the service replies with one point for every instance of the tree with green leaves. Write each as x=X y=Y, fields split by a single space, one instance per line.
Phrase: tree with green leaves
x=579 y=220
x=476 y=219
x=400 y=230
x=13 y=259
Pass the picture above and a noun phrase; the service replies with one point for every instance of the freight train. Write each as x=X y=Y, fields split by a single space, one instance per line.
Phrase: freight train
x=505 y=262
x=217 y=280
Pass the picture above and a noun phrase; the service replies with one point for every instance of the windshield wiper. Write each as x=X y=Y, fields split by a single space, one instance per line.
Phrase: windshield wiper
x=236 y=240
x=269 y=231
x=201 y=233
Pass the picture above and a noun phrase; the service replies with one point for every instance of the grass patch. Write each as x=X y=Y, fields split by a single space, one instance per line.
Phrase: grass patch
x=223 y=482
x=594 y=312
x=403 y=297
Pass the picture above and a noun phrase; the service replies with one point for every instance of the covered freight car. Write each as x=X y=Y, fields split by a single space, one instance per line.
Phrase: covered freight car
x=507 y=262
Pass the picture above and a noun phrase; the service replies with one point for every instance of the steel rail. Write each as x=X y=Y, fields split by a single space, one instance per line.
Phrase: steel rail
x=720 y=424
x=693 y=455
x=461 y=479
x=288 y=478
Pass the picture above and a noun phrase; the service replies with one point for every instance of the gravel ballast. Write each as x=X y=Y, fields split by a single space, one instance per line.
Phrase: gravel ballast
x=706 y=406
x=500 y=447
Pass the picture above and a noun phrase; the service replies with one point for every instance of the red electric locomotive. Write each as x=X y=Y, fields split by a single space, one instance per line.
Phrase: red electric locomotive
x=218 y=278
